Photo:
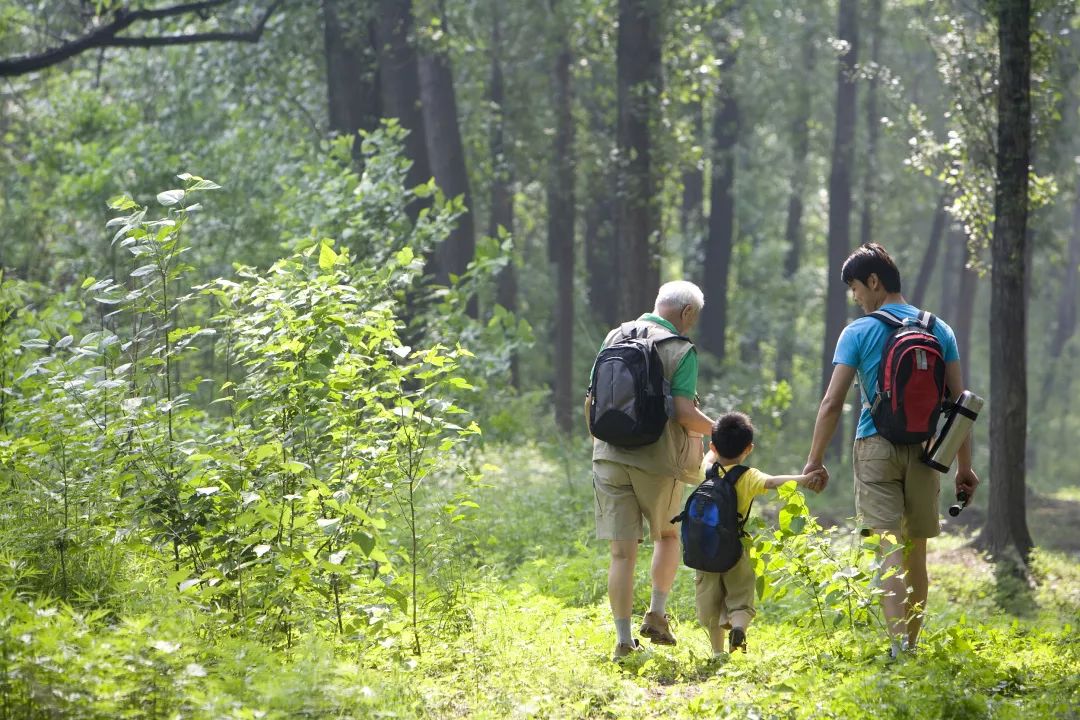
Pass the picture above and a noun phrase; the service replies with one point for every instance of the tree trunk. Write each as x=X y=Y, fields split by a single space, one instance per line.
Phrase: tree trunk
x=721 y=239
x=840 y=194
x=502 y=194
x=929 y=260
x=964 y=309
x=1006 y=523
x=351 y=73
x=691 y=221
x=866 y=229
x=1070 y=289
x=561 y=240
x=447 y=155
x=638 y=66
x=793 y=230
x=600 y=251
x=399 y=83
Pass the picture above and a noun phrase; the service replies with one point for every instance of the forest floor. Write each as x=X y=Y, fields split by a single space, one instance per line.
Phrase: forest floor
x=539 y=645
x=1053 y=518
x=526 y=633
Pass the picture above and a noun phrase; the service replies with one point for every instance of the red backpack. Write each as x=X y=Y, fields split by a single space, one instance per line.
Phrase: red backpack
x=911 y=380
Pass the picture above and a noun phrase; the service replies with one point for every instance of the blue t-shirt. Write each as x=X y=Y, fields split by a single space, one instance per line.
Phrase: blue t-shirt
x=860 y=347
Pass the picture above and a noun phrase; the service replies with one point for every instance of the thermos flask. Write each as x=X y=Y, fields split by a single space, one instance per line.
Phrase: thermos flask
x=958 y=420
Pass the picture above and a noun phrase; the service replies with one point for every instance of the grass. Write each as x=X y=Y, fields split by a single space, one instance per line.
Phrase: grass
x=537 y=635
x=533 y=654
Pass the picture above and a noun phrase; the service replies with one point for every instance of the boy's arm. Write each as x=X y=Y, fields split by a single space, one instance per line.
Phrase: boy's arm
x=811 y=481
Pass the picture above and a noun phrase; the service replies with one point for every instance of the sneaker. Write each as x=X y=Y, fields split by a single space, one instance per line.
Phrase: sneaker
x=737 y=639
x=623 y=650
x=655 y=627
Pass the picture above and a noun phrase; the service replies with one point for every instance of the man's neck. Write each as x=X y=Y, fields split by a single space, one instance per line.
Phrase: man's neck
x=671 y=317
x=892 y=299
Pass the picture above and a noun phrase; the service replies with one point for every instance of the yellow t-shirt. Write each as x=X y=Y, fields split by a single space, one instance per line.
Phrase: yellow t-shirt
x=748 y=487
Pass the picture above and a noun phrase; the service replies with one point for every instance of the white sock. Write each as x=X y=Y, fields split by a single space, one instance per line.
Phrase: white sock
x=623 y=631
x=659 y=601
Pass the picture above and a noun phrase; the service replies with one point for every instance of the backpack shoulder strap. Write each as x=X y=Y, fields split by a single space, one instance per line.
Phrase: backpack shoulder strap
x=732 y=476
x=924 y=319
x=888 y=318
x=649 y=331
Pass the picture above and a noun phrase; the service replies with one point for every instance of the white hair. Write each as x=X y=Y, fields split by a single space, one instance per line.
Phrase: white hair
x=679 y=294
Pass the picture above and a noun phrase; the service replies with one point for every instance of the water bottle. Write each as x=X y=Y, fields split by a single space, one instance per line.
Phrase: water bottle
x=959 y=417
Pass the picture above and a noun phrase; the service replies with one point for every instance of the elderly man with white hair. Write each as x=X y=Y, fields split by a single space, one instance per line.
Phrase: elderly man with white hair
x=644 y=482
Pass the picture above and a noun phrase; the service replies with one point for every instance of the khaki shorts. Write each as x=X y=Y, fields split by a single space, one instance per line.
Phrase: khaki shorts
x=625 y=494
x=894 y=489
x=726 y=599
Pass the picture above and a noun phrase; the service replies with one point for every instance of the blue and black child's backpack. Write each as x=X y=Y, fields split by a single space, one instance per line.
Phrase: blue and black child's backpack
x=712 y=529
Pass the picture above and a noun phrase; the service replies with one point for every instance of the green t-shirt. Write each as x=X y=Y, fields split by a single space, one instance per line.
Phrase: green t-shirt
x=684 y=380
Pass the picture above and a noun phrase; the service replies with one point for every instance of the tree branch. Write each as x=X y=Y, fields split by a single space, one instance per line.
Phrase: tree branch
x=107 y=35
x=252 y=36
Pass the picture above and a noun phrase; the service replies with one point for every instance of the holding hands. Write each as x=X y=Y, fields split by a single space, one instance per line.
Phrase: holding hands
x=816 y=480
x=819 y=475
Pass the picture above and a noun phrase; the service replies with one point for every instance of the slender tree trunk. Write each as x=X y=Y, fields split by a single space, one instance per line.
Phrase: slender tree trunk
x=561 y=240
x=721 y=239
x=866 y=229
x=351 y=73
x=930 y=257
x=964 y=309
x=447 y=155
x=1070 y=289
x=638 y=66
x=600 y=251
x=793 y=230
x=1006 y=523
x=691 y=220
x=399 y=83
x=951 y=265
x=840 y=194
x=502 y=194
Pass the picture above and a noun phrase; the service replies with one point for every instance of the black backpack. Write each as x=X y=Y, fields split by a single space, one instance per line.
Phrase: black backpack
x=911 y=380
x=629 y=398
x=712 y=528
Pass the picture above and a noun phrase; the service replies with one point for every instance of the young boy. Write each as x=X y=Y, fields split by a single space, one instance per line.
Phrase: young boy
x=726 y=600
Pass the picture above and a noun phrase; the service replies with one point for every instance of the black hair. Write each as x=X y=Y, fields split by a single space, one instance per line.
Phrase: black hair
x=732 y=434
x=871 y=259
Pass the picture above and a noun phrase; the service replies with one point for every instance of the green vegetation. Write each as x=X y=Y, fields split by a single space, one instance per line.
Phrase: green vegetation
x=531 y=637
x=276 y=441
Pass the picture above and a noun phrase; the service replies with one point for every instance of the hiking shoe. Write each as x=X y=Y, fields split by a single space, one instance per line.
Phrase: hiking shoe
x=737 y=639
x=655 y=627
x=623 y=650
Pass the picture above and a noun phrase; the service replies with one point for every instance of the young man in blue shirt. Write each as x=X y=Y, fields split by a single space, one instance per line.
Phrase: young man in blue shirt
x=896 y=494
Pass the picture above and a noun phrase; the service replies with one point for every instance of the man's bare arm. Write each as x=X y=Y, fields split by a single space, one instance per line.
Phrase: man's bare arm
x=688 y=415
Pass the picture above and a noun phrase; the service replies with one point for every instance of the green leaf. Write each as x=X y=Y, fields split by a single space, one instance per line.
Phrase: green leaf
x=264 y=452
x=328 y=525
x=169 y=198
x=144 y=270
x=327 y=257
x=122 y=202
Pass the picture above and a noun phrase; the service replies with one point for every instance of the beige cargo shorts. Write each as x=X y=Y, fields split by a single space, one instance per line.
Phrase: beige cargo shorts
x=894 y=489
